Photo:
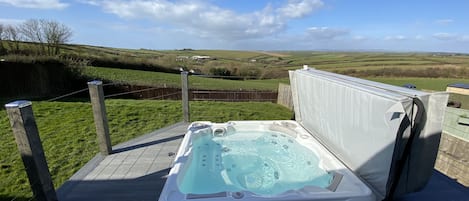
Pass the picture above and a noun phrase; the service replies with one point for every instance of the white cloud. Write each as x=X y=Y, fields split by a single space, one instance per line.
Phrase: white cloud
x=90 y=2
x=396 y=37
x=10 y=21
x=360 y=38
x=39 y=4
x=207 y=20
x=299 y=8
x=464 y=38
x=419 y=37
x=326 y=33
x=445 y=36
x=451 y=37
x=444 y=21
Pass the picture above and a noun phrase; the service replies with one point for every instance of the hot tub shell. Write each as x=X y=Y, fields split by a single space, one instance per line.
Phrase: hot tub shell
x=344 y=186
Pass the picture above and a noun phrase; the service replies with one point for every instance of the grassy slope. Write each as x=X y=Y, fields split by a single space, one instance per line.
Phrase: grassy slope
x=290 y=59
x=330 y=61
x=277 y=61
x=69 y=138
x=174 y=80
x=160 y=79
x=436 y=84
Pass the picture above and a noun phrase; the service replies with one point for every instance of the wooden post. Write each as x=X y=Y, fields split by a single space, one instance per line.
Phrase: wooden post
x=100 y=117
x=185 y=96
x=29 y=144
x=284 y=96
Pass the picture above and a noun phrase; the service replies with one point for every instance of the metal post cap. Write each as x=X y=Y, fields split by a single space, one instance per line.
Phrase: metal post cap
x=18 y=104
x=96 y=82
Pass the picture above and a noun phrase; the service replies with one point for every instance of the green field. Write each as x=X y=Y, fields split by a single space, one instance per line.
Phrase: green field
x=69 y=140
x=430 y=71
x=263 y=64
x=267 y=65
x=173 y=80
x=433 y=84
x=158 y=79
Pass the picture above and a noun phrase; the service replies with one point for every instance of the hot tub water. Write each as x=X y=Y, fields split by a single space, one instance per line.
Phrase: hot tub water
x=262 y=162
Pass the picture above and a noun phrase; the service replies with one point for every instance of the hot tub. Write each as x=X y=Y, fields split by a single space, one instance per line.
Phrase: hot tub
x=352 y=139
x=258 y=160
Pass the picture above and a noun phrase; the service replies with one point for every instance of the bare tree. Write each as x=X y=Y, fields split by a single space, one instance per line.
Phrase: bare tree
x=49 y=34
x=2 y=38
x=12 y=34
x=2 y=31
x=55 y=34
x=32 y=32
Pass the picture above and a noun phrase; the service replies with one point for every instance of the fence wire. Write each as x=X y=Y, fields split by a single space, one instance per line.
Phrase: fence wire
x=68 y=134
x=163 y=96
x=67 y=95
x=230 y=77
x=195 y=94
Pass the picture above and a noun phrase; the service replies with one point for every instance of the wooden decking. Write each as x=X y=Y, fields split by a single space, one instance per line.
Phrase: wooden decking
x=135 y=171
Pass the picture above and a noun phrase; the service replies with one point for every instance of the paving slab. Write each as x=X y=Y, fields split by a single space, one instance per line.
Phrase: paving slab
x=135 y=171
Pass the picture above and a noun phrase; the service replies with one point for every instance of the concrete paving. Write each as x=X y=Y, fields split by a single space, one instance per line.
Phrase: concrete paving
x=135 y=171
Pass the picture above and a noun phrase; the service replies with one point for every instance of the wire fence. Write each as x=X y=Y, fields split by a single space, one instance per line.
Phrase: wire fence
x=68 y=135
x=126 y=91
x=229 y=77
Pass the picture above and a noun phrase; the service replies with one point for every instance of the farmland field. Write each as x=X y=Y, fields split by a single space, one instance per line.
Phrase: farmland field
x=146 y=78
x=434 y=84
x=432 y=71
x=263 y=70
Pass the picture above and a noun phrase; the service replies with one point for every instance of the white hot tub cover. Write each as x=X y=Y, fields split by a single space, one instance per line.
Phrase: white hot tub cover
x=387 y=135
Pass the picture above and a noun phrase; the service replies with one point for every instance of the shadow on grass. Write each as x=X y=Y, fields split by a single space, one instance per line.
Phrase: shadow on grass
x=11 y=198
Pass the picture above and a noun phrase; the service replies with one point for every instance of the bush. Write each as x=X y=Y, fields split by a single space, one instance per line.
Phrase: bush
x=32 y=78
x=220 y=72
x=432 y=72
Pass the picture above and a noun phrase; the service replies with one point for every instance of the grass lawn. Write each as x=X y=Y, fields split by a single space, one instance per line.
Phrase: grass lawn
x=174 y=80
x=69 y=140
x=435 y=84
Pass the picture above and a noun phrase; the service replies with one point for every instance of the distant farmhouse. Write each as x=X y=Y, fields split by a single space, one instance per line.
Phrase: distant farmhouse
x=195 y=58
x=200 y=58
x=182 y=58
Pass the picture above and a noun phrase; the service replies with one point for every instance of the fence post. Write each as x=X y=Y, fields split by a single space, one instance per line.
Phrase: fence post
x=29 y=144
x=185 y=96
x=100 y=117
x=284 y=96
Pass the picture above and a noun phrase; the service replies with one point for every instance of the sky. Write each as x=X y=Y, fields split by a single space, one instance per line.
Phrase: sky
x=334 y=25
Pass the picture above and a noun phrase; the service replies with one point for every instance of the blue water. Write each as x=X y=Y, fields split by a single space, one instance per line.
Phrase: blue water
x=265 y=163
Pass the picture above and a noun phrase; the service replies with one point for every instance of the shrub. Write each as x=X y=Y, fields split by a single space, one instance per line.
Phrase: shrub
x=220 y=72
x=431 y=72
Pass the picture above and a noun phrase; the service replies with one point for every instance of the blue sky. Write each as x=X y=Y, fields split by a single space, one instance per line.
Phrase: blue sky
x=417 y=25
